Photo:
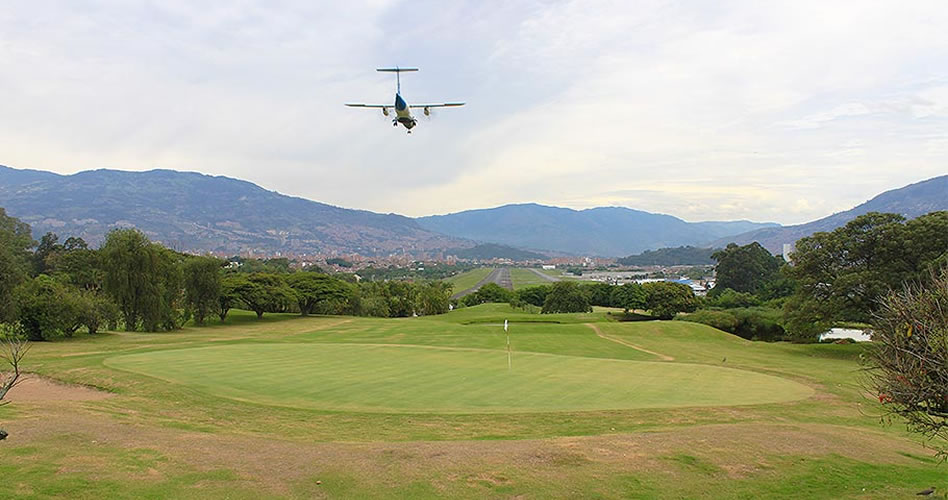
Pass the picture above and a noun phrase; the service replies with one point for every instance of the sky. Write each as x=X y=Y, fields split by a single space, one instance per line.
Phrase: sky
x=705 y=109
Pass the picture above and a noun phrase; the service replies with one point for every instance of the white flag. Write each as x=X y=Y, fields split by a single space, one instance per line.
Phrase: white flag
x=505 y=325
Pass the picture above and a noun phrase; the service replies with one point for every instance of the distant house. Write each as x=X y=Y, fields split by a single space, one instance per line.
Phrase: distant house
x=549 y=266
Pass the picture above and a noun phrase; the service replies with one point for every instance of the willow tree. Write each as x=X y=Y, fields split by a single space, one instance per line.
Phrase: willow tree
x=144 y=279
x=202 y=284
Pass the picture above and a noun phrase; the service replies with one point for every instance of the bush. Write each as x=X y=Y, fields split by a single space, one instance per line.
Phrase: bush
x=751 y=323
x=729 y=299
x=47 y=308
x=721 y=320
x=908 y=364
x=758 y=323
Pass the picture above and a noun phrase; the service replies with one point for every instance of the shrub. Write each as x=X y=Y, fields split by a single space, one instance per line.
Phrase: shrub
x=758 y=323
x=729 y=299
x=721 y=320
x=908 y=365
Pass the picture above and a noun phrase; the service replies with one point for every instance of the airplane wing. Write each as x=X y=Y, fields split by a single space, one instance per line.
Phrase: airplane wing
x=360 y=105
x=437 y=105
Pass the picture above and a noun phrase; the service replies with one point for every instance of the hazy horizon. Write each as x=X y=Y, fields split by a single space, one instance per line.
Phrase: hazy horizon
x=737 y=110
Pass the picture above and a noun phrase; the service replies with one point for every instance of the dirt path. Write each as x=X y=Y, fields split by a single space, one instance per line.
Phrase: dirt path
x=35 y=388
x=659 y=355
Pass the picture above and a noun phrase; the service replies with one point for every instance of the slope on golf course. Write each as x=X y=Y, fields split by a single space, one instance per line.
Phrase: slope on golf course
x=388 y=378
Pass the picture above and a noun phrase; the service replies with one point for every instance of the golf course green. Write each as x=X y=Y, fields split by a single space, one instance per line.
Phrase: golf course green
x=403 y=378
x=352 y=407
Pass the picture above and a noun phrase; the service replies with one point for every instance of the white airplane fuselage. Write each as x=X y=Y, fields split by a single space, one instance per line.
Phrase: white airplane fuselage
x=403 y=113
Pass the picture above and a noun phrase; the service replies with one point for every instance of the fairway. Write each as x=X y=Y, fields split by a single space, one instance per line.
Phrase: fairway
x=468 y=279
x=345 y=407
x=523 y=277
x=387 y=378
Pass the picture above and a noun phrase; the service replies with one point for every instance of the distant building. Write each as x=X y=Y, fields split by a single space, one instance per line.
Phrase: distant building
x=549 y=266
x=788 y=248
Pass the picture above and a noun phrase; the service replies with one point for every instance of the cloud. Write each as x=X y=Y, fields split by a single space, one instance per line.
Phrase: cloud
x=780 y=111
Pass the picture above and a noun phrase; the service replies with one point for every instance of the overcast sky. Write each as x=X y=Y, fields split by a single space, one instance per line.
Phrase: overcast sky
x=706 y=110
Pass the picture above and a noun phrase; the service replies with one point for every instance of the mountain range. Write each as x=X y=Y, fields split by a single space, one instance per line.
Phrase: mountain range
x=191 y=211
x=911 y=201
x=603 y=231
x=196 y=212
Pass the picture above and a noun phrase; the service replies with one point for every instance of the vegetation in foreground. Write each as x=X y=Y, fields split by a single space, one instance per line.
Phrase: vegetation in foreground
x=161 y=435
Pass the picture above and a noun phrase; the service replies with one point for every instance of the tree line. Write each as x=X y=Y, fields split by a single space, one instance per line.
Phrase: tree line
x=834 y=277
x=662 y=299
x=50 y=289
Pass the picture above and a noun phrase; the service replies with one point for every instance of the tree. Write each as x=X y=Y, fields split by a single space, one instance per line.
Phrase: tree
x=11 y=275
x=600 y=294
x=908 y=365
x=202 y=285
x=842 y=274
x=745 y=268
x=533 y=295
x=401 y=298
x=78 y=265
x=566 y=297
x=315 y=288
x=666 y=299
x=144 y=279
x=491 y=292
x=16 y=236
x=12 y=351
x=96 y=310
x=48 y=246
x=629 y=296
x=46 y=308
x=15 y=242
x=229 y=296
x=433 y=297
x=265 y=292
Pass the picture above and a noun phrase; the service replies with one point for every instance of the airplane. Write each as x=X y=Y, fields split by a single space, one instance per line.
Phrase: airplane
x=401 y=108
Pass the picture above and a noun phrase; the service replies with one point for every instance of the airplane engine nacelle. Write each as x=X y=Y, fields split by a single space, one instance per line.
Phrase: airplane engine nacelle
x=385 y=111
x=427 y=112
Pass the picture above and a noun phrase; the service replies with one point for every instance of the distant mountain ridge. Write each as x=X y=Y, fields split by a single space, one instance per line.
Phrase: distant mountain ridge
x=192 y=211
x=603 y=231
x=911 y=201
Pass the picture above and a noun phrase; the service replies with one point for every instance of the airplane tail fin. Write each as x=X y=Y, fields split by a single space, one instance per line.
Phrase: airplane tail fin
x=395 y=70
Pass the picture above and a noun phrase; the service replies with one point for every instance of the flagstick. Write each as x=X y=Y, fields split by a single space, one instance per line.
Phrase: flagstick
x=508 y=345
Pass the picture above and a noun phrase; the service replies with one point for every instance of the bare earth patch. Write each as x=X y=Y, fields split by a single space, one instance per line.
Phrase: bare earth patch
x=35 y=388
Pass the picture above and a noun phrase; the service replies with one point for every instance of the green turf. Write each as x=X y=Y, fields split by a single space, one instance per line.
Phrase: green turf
x=385 y=378
x=424 y=407
x=468 y=279
x=523 y=278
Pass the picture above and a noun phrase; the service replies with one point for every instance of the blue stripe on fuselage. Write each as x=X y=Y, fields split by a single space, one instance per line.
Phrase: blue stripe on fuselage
x=400 y=103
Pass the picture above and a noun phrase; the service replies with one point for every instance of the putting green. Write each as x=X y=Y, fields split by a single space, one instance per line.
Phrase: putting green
x=387 y=378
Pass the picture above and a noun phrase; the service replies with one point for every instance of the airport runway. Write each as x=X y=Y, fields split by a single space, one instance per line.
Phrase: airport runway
x=501 y=276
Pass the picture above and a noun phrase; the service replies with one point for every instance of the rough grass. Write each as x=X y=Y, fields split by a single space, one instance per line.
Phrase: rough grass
x=468 y=279
x=161 y=437
x=523 y=278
